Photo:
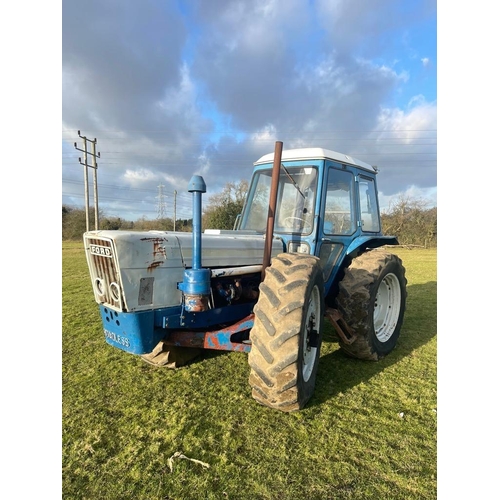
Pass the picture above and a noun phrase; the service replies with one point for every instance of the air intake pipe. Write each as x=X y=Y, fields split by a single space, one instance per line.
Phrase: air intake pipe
x=196 y=284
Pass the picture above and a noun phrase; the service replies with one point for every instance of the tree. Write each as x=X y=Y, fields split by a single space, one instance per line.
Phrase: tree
x=111 y=223
x=411 y=222
x=407 y=218
x=145 y=224
x=224 y=207
x=74 y=222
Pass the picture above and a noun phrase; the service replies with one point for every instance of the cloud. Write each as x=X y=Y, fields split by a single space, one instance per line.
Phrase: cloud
x=174 y=89
x=139 y=176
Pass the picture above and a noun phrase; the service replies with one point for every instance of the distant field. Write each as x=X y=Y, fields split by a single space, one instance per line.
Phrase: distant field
x=369 y=431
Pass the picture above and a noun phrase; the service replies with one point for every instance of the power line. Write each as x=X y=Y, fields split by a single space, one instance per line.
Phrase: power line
x=170 y=164
x=116 y=187
x=185 y=213
x=324 y=131
x=404 y=144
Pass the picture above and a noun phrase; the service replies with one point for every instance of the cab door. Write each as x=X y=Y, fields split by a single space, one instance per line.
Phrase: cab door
x=339 y=217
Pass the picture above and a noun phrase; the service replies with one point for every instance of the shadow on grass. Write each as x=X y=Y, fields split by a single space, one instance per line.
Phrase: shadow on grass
x=338 y=372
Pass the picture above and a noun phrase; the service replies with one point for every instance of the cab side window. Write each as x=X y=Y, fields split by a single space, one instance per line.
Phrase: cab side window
x=339 y=209
x=370 y=221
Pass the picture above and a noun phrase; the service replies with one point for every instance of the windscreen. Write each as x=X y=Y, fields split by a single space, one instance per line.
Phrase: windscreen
x=295 y=201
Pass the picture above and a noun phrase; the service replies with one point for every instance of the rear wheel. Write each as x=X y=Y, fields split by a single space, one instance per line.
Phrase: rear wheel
x=372 y=300
x=287 y=331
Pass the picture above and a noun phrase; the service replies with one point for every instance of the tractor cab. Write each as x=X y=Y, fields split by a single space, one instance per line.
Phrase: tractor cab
x=326 y=204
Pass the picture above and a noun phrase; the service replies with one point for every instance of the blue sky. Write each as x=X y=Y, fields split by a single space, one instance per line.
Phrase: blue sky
x=172 y=89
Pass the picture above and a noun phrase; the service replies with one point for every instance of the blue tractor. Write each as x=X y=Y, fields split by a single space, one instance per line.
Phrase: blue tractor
x=308 y=246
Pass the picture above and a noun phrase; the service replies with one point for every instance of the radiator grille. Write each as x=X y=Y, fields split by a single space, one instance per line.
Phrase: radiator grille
x=104 y=272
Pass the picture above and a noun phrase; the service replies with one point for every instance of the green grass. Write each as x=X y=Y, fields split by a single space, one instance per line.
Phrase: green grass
x=369 y=432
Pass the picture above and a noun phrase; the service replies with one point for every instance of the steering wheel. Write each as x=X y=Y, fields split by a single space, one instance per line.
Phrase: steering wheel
x=288 y=221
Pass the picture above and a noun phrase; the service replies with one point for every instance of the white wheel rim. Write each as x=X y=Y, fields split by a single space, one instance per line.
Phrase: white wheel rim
x=312 y=322
x=387 y=307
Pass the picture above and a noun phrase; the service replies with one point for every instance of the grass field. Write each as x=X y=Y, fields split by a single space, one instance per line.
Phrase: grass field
x=369 y=432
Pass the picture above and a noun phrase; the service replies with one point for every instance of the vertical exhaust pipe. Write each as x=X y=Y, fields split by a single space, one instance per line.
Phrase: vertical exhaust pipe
x=196 y=284
x=197 y=186
x=273 y=196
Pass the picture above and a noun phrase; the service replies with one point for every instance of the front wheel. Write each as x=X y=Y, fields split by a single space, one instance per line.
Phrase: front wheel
x=287 y=331
x=372 y=300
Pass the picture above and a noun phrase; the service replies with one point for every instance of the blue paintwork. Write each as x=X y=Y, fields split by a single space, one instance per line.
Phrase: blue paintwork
x=196 y=282
x=197 y=186
x=131 y=332
x=139 y=332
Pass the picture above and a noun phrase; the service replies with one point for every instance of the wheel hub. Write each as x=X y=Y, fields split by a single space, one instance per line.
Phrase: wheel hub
x=387 y=307
x=311 y=335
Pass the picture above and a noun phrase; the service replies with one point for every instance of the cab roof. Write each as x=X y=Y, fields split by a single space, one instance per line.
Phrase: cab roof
x=315 y=154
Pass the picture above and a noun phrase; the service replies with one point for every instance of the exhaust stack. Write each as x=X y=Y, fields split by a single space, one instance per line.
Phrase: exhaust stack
x=273 y=195
x=196 y=284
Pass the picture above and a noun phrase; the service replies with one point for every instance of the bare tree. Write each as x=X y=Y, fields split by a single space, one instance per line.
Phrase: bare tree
x=411 y=221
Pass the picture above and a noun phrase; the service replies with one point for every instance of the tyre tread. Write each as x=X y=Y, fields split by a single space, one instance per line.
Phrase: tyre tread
x=276 y=333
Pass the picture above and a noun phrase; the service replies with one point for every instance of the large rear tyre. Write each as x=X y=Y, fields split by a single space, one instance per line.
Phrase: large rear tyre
x=287 y=332
x=372 y=300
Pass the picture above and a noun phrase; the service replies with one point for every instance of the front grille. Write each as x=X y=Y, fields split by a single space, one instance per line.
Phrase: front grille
x=103 y=272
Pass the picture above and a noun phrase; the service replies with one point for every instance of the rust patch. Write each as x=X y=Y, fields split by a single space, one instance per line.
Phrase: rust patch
x=159 y=249
x=153 y=266
x=217 y=340
x=344 y=331
x=196 y=303
x=155 y=238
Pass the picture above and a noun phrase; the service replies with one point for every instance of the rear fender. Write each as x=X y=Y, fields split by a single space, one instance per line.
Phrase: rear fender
x=357 y=246
x=363 y=242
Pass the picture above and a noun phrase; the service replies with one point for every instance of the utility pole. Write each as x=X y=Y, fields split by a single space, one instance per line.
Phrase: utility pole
x=175 y=207
x=161 y=203
x=94 y=156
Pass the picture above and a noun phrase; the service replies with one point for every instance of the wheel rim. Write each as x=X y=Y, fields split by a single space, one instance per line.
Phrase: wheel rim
x=309 y=352
x=387 y=307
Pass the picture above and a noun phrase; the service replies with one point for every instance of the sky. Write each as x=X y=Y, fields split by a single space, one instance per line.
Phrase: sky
x=171 y=89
